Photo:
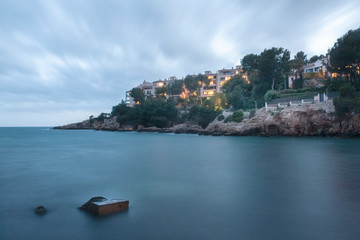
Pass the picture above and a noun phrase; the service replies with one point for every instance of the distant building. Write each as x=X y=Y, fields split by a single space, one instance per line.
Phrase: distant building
x=207 y=90
x=149 y=89
x=318 y=69
x=217 y=80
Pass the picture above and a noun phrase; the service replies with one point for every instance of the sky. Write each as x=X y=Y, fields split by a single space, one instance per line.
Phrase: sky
x=63 y=61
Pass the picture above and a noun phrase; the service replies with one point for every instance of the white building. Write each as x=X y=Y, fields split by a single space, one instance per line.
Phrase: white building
x=320 y=67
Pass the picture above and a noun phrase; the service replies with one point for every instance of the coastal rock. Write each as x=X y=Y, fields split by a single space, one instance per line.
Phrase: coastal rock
x=304 y=120
x=101 y=206
x=40 y=210
x=188 y=127
x=81 y=125
x=299 y=120
x=110 y=124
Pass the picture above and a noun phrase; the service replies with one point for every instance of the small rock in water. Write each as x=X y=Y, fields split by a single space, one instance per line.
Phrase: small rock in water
x=101 y=206
x=40 y=210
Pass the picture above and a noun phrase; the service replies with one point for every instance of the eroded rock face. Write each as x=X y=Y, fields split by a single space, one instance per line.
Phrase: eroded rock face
x=305 y=120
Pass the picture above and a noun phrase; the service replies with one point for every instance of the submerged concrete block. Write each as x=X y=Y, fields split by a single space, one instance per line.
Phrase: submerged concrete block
x=101 y=206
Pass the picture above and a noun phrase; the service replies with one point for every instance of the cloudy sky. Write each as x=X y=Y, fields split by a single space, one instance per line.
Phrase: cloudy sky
x=62 y=61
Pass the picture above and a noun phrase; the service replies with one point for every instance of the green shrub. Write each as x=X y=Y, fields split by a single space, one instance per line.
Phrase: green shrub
x=202 y=115
x=157 y=121
x=348 y=101
x=270 y=95
x=345 y=105
x=237 y=116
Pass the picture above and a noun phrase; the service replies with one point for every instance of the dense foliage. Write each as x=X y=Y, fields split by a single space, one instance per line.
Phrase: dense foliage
x=267 y=71
x=153 y=112
x=138 y=95
x=202 y=115
x=348 y=102
x=345 y=56
x=270 y=95
x=237 y=116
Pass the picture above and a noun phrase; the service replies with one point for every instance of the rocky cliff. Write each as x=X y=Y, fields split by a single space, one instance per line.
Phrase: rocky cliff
x=304 y=120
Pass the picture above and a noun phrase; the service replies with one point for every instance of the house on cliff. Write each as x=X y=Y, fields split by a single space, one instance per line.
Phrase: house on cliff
x=313 y=73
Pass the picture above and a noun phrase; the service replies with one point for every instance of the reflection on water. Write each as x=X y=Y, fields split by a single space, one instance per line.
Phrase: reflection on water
x=179 y=186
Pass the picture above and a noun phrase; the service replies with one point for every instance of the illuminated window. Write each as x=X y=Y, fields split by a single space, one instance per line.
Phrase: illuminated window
x=183 y=95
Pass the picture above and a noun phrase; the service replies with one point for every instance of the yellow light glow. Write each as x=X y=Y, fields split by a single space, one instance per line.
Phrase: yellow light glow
x=160 y=84
x=210 y=77
x=137 y=102
x=194 y=93
x=227 y=78
x=237 y=72
x=199 y=82
x=205 y=92
x=211 y=83
x=211 y=92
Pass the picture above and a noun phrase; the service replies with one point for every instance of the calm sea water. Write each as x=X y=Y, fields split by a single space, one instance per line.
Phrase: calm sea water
x=179 y=186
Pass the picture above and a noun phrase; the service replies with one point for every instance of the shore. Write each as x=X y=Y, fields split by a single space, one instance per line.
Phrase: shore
x=316 y=119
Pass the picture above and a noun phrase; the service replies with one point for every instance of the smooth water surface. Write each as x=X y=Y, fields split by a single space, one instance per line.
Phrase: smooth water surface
x=179 y=186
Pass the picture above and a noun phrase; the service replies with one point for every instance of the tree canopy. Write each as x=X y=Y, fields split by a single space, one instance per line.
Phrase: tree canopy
x=267 y=70
x=138 y=95
x=345 y=56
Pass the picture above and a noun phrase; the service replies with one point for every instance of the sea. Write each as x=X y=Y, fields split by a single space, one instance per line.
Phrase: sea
x=180 y=186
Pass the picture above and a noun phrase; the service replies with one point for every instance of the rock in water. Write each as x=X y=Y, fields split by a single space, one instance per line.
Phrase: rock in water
x=41 y=210
x=101 y=206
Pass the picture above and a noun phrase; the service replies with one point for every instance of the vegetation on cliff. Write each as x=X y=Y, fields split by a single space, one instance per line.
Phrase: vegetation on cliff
x=348 y=103
x=264 y=78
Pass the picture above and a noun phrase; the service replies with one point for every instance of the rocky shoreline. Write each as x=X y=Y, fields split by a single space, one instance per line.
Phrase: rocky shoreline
x=304 y=120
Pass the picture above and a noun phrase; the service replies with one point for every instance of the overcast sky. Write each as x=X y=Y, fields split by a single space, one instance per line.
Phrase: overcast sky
x=62 y=61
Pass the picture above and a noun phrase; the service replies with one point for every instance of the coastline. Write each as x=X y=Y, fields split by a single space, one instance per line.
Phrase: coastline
x=308 y=120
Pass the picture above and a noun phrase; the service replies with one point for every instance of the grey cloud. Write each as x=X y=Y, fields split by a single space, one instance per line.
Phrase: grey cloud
x=81 y=56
